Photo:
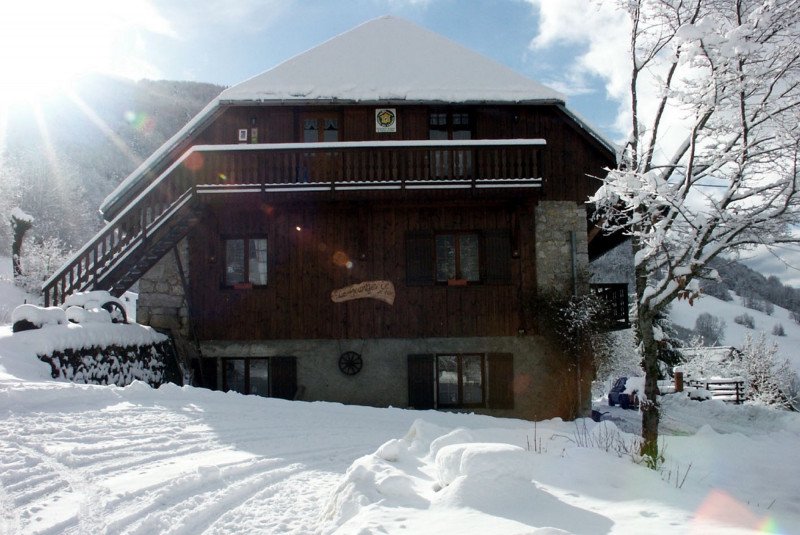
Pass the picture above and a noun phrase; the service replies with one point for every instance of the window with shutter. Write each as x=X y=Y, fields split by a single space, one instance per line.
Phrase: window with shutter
x=460 y=380
x=260 y=376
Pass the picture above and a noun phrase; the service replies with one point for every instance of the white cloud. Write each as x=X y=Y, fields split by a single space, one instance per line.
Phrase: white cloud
x=601 y=31
x=186 y=19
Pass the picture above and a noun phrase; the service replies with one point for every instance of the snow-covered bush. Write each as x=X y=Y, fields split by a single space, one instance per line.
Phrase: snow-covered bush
x=27 y=317
x=745 y=320
x=778 y=330
x=710 y=329
x=39 y=260
x=766 y=380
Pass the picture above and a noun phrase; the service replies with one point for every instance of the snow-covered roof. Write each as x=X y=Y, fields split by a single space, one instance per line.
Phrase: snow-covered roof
x=385 y=60
x=391 y=59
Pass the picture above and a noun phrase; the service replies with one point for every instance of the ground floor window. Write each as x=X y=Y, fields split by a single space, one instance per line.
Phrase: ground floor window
x=461 y=380
x=259 y=376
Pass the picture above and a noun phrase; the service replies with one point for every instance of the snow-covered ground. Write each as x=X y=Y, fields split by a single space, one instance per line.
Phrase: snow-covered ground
x=181 y=460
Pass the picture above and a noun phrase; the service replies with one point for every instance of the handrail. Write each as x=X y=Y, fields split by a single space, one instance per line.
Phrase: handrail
x=344 y=166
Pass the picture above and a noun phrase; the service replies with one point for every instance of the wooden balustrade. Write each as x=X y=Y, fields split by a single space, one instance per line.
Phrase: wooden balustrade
x=365 y=165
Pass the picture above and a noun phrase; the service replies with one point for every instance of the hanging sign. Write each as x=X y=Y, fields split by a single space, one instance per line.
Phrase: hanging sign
x=386 y=120
x=381 y=290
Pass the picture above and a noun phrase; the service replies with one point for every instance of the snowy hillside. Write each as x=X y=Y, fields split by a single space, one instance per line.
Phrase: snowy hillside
x=685 y=315
x=181 y=460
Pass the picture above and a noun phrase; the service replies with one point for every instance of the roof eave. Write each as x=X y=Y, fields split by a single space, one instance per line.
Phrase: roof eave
x=384 y=102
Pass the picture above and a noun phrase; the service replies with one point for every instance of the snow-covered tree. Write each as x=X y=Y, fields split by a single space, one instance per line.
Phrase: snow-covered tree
x=711 y=164
x=20 y=224
x=767 y=378
x=41 y=259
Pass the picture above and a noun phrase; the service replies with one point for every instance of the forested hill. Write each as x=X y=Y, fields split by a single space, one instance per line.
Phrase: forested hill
x=756 y=290
x=60 y=159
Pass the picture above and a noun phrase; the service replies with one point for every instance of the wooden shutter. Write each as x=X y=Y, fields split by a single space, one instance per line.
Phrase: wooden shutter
x=498 y=256
x=501 y=380
x=420 y=382
x=283 y=377
x=419 y=258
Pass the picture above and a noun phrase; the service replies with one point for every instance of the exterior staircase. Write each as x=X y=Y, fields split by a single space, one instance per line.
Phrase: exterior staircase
x=125 y=248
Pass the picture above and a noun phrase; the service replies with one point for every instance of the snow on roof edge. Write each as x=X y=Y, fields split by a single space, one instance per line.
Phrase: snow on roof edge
x=593 y=131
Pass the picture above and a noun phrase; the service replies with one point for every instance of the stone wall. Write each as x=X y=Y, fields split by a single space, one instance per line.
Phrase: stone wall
x=555 y=220
x=545 y=386
x=162 y=302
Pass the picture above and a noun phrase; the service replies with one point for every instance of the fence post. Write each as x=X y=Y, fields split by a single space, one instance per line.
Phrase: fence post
x=678 y=381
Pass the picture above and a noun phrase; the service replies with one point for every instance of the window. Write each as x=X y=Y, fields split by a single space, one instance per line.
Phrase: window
x=450 y=125
x=475 y=257
x=261 y=376
x=459 y=380
x=458 y=257
x=320 y=127
x=246 y=261
x=450 y=163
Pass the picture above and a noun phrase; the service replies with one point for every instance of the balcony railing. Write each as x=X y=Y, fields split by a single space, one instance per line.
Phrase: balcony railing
x=294 y=167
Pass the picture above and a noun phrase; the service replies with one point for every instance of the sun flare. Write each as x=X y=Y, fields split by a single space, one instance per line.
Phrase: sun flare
x=44 y=43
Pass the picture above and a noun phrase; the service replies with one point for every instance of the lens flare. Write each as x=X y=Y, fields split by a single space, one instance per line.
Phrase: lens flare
x=194 y=161
x=141 y=122
x=341 y=259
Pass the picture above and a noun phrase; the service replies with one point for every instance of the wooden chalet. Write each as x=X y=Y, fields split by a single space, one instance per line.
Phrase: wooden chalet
x=370 y=222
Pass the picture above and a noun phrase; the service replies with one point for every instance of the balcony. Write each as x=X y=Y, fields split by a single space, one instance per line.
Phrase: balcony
x=165 y=210
x=353 y=166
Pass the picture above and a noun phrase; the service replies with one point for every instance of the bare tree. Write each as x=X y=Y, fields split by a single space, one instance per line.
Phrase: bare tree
x=712 y=161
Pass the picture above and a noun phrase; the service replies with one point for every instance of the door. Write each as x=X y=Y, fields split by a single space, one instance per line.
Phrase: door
x=455 y=125
x=319 y=127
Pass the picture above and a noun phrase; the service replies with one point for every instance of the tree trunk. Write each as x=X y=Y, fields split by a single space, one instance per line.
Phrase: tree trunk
x=649 y=407
x=20 y=227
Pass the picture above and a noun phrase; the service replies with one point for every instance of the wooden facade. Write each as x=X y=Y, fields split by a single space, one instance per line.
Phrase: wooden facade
x=242 y=228
x=315 y=248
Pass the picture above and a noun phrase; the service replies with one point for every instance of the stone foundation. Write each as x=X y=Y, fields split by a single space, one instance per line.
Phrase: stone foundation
x=162 y=302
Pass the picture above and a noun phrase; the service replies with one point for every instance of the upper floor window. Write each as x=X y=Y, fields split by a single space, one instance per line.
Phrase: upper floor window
x=458 y=257
x=320 y=127
x=481 y=257
x=246 y=261
x=450 y=125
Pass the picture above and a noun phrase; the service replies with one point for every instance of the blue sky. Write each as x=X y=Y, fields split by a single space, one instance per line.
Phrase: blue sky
x=578 y=47
x=225 y=43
